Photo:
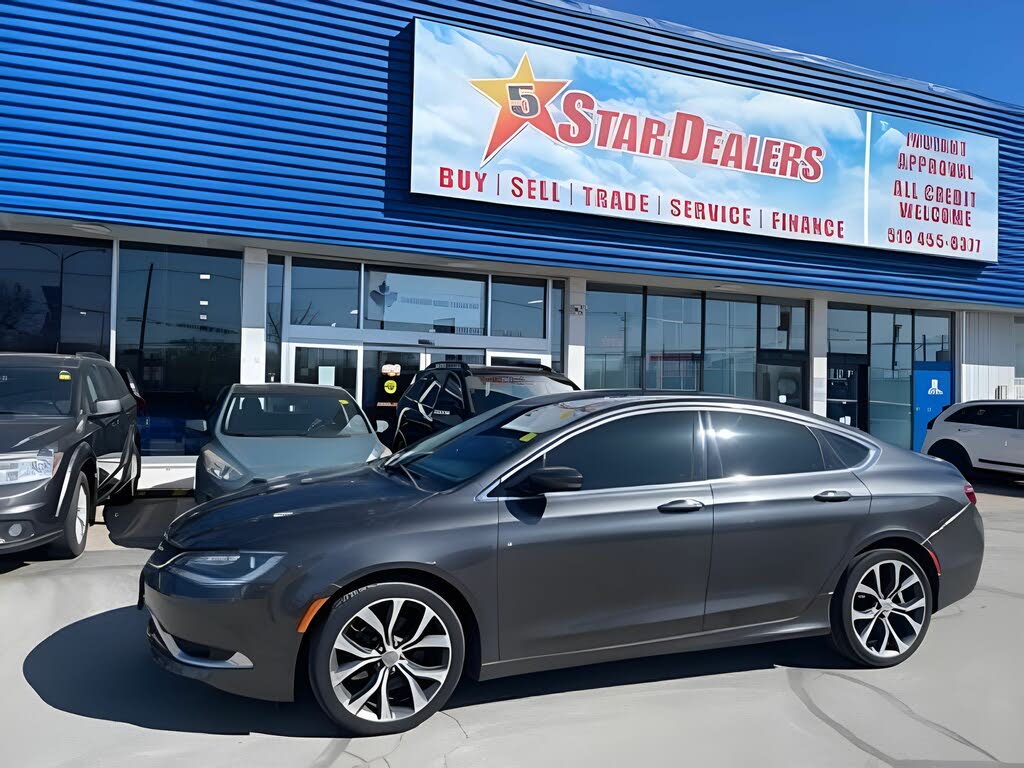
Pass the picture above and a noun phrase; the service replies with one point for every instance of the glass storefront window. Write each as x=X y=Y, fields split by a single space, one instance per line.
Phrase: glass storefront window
x=783 y=325
x=847 y=331
x=557 y=325
x=614 y=337
x=320 y=365
x=730 y=346
x=275 y=300
x=54 y=294
x=933 y=339
x=325 y=293
x=890 y=377
x=424 y=303
x=179 y=323
x=1018 y=330
x=518 y=308
x=673 y=354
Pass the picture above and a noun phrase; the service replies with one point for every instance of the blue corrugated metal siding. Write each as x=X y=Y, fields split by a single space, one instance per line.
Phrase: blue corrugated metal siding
x=291 y=120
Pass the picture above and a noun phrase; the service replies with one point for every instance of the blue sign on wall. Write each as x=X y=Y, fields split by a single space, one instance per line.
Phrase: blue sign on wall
x=933 y=391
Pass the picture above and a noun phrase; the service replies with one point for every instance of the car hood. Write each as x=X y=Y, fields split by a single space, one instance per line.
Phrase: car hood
x=268 y=514
x=27 y=433
x=267 y=457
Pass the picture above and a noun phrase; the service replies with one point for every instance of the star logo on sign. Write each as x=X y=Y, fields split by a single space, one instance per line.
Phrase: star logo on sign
x=522 y=100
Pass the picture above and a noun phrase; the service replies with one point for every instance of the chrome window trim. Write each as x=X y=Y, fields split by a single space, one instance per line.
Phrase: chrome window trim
x=670 y=402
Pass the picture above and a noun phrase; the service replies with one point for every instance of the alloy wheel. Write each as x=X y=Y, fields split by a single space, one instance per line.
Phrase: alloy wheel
x=390 y=659
x=81 y=512
x=888 y=609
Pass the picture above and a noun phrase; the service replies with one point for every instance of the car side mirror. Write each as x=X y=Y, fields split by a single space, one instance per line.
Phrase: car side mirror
x=196 y=425
x=381 y=425
x=550 y=480
x=107 y=407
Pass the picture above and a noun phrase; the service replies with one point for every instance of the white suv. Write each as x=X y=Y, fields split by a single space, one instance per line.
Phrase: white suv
x=983 y=434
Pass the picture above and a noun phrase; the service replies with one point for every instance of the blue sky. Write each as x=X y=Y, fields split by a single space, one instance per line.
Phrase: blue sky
x=975 y=46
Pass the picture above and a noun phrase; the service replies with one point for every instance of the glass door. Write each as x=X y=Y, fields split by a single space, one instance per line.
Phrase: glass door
x=780 y=381
x=387 y=373
x=337 y=367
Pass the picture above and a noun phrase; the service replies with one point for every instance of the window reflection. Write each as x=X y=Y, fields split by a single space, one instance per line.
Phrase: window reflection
x=54 y=294
x=518 y=308
x=557 y=325
x=325 y=293
x=673 y=356
x=783 y=325
x=730 y=346
x=275 y=300
x=614 y=335
x=179 y=332
x=429 y=303
x=890 y=382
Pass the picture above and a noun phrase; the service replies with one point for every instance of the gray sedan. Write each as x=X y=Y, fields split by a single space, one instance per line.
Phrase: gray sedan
x=262 y=431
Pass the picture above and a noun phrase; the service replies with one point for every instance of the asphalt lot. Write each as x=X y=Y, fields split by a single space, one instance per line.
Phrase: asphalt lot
x=78 y=689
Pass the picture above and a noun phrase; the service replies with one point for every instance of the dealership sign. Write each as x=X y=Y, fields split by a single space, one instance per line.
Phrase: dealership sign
x=503 y=121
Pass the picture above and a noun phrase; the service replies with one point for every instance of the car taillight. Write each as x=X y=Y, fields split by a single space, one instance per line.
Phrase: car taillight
x=971 y=495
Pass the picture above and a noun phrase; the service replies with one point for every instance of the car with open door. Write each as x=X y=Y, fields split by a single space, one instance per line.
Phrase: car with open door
x=557 y=531
x=67 y=445
x=447 y=393
x=262 y=431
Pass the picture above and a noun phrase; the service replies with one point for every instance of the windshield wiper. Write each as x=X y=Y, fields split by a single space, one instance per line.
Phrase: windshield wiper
x=405 y=469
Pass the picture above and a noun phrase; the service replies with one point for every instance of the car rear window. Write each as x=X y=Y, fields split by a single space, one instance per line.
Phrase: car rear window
x=36 y=391
x=490 y=390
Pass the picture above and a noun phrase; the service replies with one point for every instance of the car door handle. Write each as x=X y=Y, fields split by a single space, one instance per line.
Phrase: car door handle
x=834 y=496
x=681 y=505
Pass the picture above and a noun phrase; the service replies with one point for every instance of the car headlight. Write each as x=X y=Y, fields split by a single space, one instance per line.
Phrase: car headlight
x=223 y=568
x=28 y=466
x=220 y=467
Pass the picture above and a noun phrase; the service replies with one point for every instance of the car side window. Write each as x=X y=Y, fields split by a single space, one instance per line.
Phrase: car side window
x=91 y=391
x=450 y=396
x=110 y=386
x=646 y=449
x=1002 y=416
x=841 y=452
x=749 y=445
x=415 y=390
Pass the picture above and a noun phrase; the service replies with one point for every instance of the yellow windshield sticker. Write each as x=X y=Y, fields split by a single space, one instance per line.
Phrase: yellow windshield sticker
x=527 y=437
x=343 y=402
x=64 y=376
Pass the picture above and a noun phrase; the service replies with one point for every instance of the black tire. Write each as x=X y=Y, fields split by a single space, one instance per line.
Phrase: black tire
x=890 y=637
x=955 y=454
x=343 y=616
x=71 y=544
x=129 y=490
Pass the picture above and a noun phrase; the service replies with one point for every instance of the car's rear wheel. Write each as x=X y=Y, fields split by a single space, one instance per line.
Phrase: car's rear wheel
x=955 y=455
x=882 y=611
x=76 y=521
x=387 y=658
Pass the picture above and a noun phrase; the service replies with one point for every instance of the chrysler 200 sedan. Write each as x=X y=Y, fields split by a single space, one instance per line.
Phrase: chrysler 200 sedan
x=556 y=531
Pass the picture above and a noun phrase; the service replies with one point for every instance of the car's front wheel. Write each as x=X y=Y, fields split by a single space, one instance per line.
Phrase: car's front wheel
x=387 y=658
x=882 y=611
x=76 y=521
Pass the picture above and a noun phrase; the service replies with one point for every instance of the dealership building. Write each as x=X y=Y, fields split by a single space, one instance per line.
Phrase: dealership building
x=208 y=192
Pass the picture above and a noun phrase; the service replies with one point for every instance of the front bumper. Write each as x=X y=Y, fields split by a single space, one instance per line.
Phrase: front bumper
x=239 y=644
x=31 y=514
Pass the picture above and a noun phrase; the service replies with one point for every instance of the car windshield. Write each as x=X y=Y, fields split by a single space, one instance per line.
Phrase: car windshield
x=286 y=414
x=454 y=456
x=491 y=390
x=36 y=391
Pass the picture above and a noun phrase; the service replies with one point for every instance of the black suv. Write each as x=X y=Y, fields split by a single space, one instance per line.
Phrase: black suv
x=445 y=394
x=67 y=443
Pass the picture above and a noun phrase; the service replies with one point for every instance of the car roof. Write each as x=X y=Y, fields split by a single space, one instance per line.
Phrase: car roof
x=626 y=398
x=287 y=389
x=986 y=402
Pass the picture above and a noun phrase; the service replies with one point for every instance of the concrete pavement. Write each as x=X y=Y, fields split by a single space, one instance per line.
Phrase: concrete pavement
x=80 y=690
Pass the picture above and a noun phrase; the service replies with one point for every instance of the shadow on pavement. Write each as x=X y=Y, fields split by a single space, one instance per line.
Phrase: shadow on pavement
x=100 y=668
